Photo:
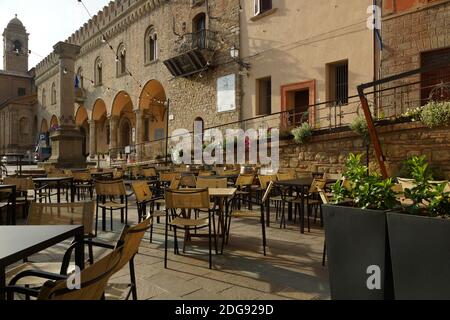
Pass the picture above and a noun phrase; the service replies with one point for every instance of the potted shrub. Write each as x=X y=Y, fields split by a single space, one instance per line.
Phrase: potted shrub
x=420 y=237
x=302 y=134
x=356 y=235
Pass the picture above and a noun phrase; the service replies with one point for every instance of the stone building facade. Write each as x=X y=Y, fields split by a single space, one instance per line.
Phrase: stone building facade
x=18 y=103
x=140 y=65
x=416 y=34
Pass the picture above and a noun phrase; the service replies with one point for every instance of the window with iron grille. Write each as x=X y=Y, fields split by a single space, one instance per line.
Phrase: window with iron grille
x=341 y=83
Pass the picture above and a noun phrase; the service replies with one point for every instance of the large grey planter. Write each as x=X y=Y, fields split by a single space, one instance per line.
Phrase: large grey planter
x=420 y=250
x=356 y=240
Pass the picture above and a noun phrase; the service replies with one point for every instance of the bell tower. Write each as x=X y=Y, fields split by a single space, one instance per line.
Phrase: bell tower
x=15 y=47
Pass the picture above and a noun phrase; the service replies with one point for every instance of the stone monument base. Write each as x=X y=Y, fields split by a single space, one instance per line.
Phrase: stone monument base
x=67 y=149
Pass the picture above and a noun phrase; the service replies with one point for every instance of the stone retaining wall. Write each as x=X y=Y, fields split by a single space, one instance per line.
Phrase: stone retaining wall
x=329 y=152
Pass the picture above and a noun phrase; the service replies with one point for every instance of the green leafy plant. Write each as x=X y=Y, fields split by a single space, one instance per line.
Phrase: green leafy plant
x=436 y=114
x=368 y=190
x=302 y=134
x=360 y=127
x=414 y=114
x=427 y=198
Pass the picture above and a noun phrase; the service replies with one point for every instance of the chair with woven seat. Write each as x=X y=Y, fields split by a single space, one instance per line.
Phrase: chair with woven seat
x=325 y=200
x=179 y=205
x=107 y=192
x=144 y=200
x=5 y=204
x=248 y=214
x=264 y=181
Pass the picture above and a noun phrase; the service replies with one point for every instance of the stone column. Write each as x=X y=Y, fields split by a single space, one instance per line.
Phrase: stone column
x=67 y=142
x=113 y=128
x=140 y=132
x=92 y=139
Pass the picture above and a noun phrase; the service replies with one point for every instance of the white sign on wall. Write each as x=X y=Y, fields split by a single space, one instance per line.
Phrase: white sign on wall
x=226 y=93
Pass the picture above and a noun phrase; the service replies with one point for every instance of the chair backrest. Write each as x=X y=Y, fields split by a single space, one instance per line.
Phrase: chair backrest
x=212 y=183
x=142 y=191
x=84 y=176
x=407 y=183
x=168 y=176
x=264 y=180
x=318 y=184
x=79 y=213
x=175 y=184
x=347 y=185
x=130 y=240
x=245 y=180
x=268 y=191
x=187 y=199
x=135 y=172
x=333 y=176
x=118 y=174
x=205 y=173
x=229 y=173
x=110 y=188
x=286 y=176
x=149 y=173
x=188 y=181
x=94 y=280
x=323 y=196
x=22 y=184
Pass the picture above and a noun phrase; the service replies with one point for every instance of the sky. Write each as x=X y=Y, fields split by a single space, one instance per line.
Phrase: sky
x=47 y=21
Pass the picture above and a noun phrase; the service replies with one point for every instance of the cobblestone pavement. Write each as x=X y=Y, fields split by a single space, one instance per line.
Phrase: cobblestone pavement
x=292 y=268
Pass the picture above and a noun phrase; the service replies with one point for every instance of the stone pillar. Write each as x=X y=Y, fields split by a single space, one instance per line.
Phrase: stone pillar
x=113 y=128
x=92 y=139
x=67 y=142
x=140 y=132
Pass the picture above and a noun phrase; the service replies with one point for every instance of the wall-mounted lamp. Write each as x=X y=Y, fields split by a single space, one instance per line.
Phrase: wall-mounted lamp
x=235 y=55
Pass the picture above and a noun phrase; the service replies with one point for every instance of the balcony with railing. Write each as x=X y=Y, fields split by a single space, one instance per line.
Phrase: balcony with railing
x=193 y=53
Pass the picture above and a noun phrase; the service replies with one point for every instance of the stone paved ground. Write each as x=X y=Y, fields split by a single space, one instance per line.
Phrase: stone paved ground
x=291 y=270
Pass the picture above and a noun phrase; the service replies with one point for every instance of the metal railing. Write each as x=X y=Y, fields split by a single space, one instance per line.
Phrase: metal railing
x=203 y=39
x=390 y=104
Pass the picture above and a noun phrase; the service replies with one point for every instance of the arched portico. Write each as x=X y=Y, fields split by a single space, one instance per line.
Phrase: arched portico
x=122 y=122
x=151 y=119
x=99 y=125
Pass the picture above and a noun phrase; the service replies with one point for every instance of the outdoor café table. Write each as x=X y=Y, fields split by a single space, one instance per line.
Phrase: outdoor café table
x=20 y=242
x=11 y=215
x=222 y=195
x=19 y=157
x=59 y=183
x=302 y=187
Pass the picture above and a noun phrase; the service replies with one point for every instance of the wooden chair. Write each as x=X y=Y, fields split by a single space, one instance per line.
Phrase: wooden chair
x=205 y=174
x=188 y=181
x=128 y=246
x=94 y=280
x=187 y=201
x=286 y=176
x=144 y=199
x=264 y=181
x=407 y=183
x=149 y=173
x=83 y=184
x=107 y=192
x=244 y=185
x=243 y=214
x=5 y=203
x=81 y=213
x=211 y=183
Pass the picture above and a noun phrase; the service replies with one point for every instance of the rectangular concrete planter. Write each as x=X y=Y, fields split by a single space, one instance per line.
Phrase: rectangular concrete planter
x=420 y=250
x=356 y=240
